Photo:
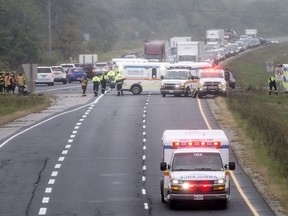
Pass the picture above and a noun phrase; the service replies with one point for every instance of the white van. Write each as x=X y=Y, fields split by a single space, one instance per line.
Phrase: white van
x=45 y=76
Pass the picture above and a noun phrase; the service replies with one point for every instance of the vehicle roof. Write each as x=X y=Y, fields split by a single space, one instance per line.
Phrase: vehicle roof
x=170 y=136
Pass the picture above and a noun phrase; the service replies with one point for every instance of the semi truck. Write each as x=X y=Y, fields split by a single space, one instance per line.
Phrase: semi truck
x=251 y=33
x=190 y=51
x=88 y=58
x=215 y=37
x=155 y=50
x=174 y=41
x=195 y=167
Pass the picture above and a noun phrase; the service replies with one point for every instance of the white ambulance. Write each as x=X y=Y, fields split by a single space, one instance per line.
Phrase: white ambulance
x=195 y=167
x=141 y=76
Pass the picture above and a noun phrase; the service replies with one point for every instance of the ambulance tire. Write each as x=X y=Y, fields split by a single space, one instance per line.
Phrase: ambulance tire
x=163 y=95
x=136 y=89
x=221 y=204
x=200 y=95
x=162 y=191
x=172 y=204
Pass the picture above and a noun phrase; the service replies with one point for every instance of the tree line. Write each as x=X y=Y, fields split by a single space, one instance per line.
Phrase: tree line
x=98 y=26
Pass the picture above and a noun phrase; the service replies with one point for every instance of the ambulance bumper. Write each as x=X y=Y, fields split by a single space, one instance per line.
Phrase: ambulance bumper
x=198 y=197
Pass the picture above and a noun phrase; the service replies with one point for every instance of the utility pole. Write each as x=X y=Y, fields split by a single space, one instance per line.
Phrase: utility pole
x=49 y=25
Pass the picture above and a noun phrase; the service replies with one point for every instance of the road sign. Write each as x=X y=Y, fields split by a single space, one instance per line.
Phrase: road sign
x=270 y=66
x=279 y=74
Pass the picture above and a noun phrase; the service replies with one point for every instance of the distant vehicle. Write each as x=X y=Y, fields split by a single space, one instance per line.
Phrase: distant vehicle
x=251 y=33
x=88 y=59
x=190 y=51
x=75 y=74
x=101 y=67
x=230 y=79
x=59 y=74
x=45 y=76
x=215 y=37
x=155 y=50
x=66 y=66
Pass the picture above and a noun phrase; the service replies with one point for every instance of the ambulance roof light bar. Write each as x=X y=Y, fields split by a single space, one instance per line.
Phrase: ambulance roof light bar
x=191 y=144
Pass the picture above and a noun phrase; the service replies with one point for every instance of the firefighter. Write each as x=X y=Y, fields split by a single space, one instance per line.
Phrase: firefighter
x=96 y=82
x=119 y=82
x=20 y=81
x=272 y=84
x=84 y=83
x=103 y=81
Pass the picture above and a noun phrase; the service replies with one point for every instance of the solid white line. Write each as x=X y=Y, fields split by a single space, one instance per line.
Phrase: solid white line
x=40 y=123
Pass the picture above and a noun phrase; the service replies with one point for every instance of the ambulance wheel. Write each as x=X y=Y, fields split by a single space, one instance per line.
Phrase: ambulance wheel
x=200 y=95
x=163 y=95
x=162 y=191
x=136 y=89
x=172 y=204
x=221 y=204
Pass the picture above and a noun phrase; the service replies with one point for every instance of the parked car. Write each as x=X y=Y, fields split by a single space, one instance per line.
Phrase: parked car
x=66 y=66
x=101 y=67
x=45 y=76
x=75 y=74
x=230 y=79
x=60 y=74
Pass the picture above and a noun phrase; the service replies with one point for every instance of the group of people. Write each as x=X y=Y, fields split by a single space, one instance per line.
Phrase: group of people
x=112 y=78
x=9 y=81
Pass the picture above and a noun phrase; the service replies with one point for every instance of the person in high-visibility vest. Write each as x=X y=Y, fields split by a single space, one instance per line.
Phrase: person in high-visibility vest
x=84 y=83
x=272 y=84
x=96 y=82
x=20 y=81
x=119 y=82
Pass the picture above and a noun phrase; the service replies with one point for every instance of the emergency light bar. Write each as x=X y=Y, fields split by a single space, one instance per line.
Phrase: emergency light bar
x=215 y=144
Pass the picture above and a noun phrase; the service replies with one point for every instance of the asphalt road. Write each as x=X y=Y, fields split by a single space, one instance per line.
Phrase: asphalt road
x=101 y=156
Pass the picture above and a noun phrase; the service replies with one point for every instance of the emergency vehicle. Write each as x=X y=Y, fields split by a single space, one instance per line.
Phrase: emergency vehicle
x=211 y=82
x=181 y=78
x=141 y=76
x=195 y=167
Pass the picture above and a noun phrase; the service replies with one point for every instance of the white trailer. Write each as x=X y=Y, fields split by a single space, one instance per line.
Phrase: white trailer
x=190 y=51
x=215 y=37
x=174 y=41
x=251 y=33
x=88 y=58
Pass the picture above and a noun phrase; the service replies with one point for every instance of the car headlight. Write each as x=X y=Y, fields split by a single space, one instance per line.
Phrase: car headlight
x=220 y=181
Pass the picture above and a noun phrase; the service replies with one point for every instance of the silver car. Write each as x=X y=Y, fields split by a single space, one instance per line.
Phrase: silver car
x=59 y=74
x=45 y=76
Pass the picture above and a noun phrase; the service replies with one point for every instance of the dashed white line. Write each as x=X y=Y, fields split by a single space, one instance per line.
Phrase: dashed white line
x=146 y=206
x=68 y=146
x=61 y=158
x=57 y=166
x=42 y=211
x=143 y=191
x=51 y=181
x=48 y=190
x=45 y=200
x=65 y=152
x=54 y=173
x=70 y=140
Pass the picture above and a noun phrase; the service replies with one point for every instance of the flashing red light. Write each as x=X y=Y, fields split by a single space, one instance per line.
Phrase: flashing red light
x=215 y=144
x=205 y=186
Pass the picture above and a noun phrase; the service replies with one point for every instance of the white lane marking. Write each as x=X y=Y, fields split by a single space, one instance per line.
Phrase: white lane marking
x=143 y=178
x=81 y=120
x=144 y=167
x=144 y=157
x=84 y=116
x=68 y=146
x=70 y=140
x=42 y=211
x=76 y=127
x=48 y=190
x=144 y=147
x=57 y=166
x=61 y=158
x=143 y=191
x=45 y=200
x=72 y=136
x=51 y=181
x=79 y=123
x=144 y=133
x=144 y=140
x=74 y=132
x=146 y=206
x=64 y=152
x=54 y=173
x=144 y=126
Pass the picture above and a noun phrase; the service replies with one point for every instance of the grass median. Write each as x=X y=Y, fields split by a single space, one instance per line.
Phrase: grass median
x=263 y=117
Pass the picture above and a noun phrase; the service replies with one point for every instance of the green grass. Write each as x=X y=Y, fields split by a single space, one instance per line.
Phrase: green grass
x=15 y=106
x=263 y=117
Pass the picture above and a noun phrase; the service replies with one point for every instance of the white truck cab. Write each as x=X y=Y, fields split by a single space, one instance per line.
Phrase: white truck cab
x=211 y=82
x=195 y=167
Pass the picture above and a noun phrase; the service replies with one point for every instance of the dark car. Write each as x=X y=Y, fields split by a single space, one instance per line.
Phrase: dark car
x=75 y=74
x=230 y=79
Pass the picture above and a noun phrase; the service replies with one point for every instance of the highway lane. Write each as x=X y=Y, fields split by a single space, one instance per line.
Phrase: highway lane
x=103 y=159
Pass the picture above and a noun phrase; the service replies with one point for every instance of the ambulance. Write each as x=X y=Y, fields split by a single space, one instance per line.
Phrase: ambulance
x=195 y=167
x=181 y=78
x=142 y=76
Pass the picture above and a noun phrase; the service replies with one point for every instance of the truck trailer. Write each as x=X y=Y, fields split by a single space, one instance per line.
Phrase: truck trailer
x=155 y=50
x=190 y=51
